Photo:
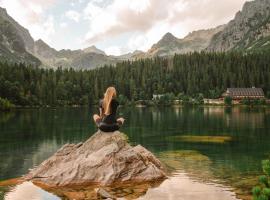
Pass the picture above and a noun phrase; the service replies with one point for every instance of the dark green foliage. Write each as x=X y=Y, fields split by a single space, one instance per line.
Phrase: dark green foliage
x=228 y=100
x=122 y=99
x=266 y=167
x=262 y=44
x=5 y=105
x=268 y=94
x=262 y=192
x=198 y=99
x=247 y=101
x=165 y=99
x=189 y=78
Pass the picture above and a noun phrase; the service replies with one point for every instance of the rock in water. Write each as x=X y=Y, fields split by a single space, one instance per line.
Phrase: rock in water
x=105 y=158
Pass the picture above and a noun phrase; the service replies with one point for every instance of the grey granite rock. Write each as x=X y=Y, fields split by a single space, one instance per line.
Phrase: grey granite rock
x=104 y=159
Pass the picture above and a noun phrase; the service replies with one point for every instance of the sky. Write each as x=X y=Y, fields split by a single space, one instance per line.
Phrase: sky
x=117 y=26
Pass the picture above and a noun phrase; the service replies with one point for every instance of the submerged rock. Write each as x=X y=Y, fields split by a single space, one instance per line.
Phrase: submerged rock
x=104 y=159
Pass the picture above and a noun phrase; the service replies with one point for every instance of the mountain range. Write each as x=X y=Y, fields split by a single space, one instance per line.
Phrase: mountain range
x=248 y=31
x=16 y=43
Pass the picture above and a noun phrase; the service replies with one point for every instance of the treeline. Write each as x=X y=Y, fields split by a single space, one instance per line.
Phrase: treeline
x=196 y=75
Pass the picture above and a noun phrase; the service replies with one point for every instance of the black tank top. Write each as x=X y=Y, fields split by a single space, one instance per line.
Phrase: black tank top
x=111 y=118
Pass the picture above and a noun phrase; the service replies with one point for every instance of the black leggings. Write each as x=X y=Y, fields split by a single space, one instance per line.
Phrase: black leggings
x=107 y=127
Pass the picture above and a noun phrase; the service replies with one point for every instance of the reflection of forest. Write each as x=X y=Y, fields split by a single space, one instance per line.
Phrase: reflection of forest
x=4 y=117
x=28 y=137
x=20 y=158
x=239 y=116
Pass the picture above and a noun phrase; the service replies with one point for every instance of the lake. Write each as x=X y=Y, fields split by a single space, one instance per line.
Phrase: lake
x=210 y=152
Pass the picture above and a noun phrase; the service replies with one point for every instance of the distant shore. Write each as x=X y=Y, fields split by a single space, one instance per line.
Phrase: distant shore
x=146 y=103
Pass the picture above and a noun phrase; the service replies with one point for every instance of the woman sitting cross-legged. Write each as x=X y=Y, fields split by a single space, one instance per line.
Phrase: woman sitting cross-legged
x=107 y=121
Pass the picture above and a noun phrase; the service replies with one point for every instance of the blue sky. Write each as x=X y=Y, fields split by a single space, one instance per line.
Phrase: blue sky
x=117 y=26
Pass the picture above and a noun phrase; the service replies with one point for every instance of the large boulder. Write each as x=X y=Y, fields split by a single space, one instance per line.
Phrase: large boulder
x=104 y=159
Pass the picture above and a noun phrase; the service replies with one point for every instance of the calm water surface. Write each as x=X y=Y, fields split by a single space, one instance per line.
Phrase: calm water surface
x=198 y=169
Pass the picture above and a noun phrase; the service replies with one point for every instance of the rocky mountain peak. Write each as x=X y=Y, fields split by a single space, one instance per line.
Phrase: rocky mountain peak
x=169 y=37
x=167 y=40
x=250 y=25
x=40 y=42
x=204 y=33
x=3 y=11
x=93 y=49
x=15 y=41
x=137 y=52
x=194 y=41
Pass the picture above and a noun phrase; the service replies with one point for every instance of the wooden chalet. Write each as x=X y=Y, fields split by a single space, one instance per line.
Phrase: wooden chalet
x=244 y=93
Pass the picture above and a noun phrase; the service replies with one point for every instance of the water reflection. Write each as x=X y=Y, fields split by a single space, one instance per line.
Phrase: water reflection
x=128 y=191
x=28 y=191
x=27 y=137
x=183 y=187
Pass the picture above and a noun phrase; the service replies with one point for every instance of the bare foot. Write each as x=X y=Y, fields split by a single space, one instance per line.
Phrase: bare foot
x=96 y=117
x=121 y=120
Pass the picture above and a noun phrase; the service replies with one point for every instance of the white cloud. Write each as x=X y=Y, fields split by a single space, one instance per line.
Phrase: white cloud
x=30 y=14
x=150 y=19
x=73 y=15
x=113 y=50
x=63 y=24
x=26 y=12
x=119 y=25
x=138 y=41
x=44 y=30
x=139 y=5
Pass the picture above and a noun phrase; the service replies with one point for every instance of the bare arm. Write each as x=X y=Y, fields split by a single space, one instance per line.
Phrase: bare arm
x=100 y=112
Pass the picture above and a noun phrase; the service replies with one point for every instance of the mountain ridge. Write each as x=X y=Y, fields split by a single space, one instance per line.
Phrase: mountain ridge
x=249 y=30
x=13 y=39
x=249 y=25
x=194 y=41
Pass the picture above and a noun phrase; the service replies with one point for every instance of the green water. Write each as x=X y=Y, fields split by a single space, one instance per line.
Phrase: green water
x=27 y=137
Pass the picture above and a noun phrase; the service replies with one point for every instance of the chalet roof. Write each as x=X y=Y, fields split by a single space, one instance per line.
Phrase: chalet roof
x=245 y=92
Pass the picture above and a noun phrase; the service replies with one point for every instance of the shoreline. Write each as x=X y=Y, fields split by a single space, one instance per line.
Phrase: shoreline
x=138 y=106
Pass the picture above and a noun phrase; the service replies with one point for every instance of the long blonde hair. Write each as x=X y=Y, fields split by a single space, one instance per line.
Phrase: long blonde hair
x=108 y=96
